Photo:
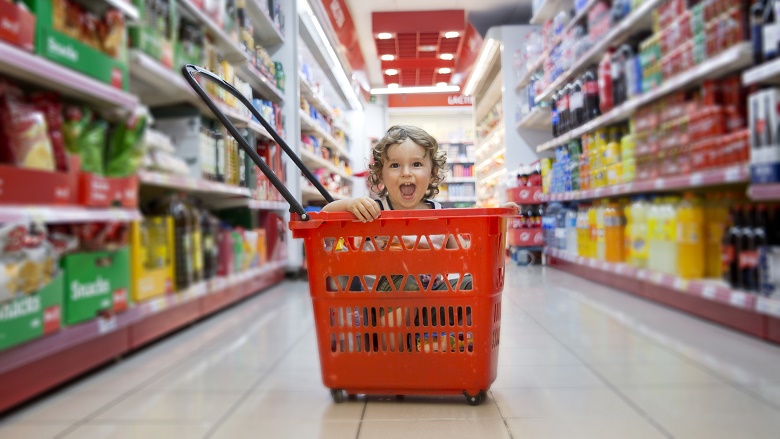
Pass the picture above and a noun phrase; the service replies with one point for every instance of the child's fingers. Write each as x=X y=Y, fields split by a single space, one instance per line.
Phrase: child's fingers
x=372 y=207
x=362 y=213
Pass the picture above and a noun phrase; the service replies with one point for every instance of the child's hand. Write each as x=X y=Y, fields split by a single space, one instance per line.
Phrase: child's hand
x=365 y=209
x=511 y=205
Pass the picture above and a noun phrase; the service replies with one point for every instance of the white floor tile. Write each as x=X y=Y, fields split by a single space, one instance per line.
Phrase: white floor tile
x=246 y=428
x=428 y=408
x=168 y=405
x=549 y=428
x=316 y=405
x=434 y=429
x=32 y=431
x=567 y=375
x=138 y=430
x=562 y=403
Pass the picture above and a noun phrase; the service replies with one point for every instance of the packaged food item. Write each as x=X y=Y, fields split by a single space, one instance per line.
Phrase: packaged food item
x=50 y=105
x=23 y=132
x=92 y=142
x=28 y=261
x=75 y=121
x=125 y=149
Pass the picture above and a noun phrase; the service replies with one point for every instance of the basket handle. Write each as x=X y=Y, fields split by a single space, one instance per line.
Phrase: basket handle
x=189 y=70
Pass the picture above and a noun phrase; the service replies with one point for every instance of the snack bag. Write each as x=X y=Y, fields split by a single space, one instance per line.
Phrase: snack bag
x=28 y=261
x=126 y=146
x=75 y=121
x=92 y=143
x=50 y=105
x=24 y=141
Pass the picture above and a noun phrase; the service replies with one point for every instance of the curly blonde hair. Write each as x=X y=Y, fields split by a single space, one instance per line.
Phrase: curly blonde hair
x=397 y=134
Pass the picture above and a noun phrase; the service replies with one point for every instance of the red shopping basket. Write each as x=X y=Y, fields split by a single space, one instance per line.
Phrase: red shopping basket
x=407 y=304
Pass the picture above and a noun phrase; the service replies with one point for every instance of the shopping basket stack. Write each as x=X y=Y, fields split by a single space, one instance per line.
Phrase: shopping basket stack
x=396 y=310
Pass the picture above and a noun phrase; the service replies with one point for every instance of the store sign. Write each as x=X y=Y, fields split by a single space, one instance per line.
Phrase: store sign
x=342 y=23
x=429 y=100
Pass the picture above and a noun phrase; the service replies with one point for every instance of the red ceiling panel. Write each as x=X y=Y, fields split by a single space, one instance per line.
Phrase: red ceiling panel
x=412 y=31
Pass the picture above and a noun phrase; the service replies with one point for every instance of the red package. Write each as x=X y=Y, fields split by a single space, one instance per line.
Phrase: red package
x=51 y=106
x=24 y=142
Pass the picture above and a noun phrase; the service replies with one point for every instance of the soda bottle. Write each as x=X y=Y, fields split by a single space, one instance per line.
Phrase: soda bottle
x=732 y=243
x=577 y=104
x=614 y=230
x=563 y=111
x=591 y=87
x=716 y=216
x=605 y=82
x=690 y=238
x=748 y=252
x=555 y=116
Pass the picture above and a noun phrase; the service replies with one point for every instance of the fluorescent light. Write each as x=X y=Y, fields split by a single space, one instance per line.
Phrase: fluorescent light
x=451 y=34
x=445 y=70
x=341 y=73
x=427 y=48
x=446 y=56
x=384 y=36
x=391 y=72
x=479 y=68
x=411 y=90
x=441 y=84
x=392 y=85
x=388 y=57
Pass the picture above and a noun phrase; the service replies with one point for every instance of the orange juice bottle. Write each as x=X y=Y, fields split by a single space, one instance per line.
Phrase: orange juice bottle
x=601 y=242
x=614 y=230
x=592 y=226
x=690 y=238
x=717 y=213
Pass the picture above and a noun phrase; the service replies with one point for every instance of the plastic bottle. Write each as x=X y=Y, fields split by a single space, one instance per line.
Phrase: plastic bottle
x=732 y=242
x=182 y=232
x=715 y=218
x=193 y=216
x=690 y=238
x=560 y=227
x=654 y=235
x=614 y=230
x=627 y=214
x=748 y=255
x=639 y=233
x=577 y=104
x=593 y=230
x=590 y=86
x=571 y=231
x=555 y=116
x=605 y=82
x=669 y=255
x=601 y=243
x=583 y=231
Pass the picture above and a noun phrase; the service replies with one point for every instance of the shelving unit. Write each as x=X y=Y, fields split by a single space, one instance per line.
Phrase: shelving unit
x=732 y=175
x=538 y=118
x=731 y=60
x=548 y=9
x=43 y=363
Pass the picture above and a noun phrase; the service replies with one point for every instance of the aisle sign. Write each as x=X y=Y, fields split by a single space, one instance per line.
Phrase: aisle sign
x=429 y=100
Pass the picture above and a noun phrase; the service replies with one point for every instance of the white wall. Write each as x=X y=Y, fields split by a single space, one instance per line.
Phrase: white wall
x=445 y=124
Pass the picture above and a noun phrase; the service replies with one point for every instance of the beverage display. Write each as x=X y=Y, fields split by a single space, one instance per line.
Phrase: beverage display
x=690 y=238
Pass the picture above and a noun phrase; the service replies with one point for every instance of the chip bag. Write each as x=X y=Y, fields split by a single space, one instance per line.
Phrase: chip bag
x=126 y=146
x=93 y=144
x=24 y=141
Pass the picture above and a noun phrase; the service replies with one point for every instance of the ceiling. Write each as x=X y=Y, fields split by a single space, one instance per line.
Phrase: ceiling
x=418 y=23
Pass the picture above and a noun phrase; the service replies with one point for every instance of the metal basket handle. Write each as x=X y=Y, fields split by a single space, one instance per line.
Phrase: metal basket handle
x=188 y=71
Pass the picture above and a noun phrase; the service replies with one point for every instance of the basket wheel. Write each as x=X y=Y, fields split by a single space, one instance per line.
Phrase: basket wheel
x=337 y=395
x=474 y=399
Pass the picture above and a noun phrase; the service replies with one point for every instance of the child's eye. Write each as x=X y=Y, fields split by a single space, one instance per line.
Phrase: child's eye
x=394 y=165
x=418 y=164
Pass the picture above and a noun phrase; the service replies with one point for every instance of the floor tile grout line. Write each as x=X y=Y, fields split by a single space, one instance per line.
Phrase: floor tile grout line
x=126 y=394
x=219 y=422
x=362 y=417
x=728 y=381
x=503 y=419
x=657 y=425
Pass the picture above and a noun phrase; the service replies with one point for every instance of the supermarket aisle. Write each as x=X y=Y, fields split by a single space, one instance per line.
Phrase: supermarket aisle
x=577 y=360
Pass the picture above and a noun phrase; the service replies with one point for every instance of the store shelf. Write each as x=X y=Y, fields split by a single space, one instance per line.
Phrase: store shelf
x=460 y=180
x=538 y=118
x=190 y=184
x=230 y=49
x=731 y=175
x=764 y=192
x=731 y=60
x=65 y=214
x=458 y=200
x=313 y=161
x=711 y=299
x=548 y=10
x=307 y=90
x=310 y=125
x=768 y=306
x=492 y=176
x=36 y=70
x=579 y=16
x=763 y=74
x=268 y=34
x=491 y=157
x=268 y=205
x=635 y=22
x=498 y=130
x=265 y=87
x=311 y=194
x=126 y=7
x=39 y=365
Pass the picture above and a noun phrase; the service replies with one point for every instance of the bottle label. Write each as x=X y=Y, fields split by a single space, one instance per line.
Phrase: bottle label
x=577 y=101
x=652 y=230
x=748 y=259
x=689 y=233
x=727 y=255
x=612 y=221
x=592 y=88
x=638 y=244
x=668 y=231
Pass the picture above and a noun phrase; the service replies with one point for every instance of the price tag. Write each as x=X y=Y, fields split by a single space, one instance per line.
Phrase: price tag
x=158 y=305
x=659 y=183
x=619 y=269
x=641 y=274
x=658 y=278
x=709 y=291
x=106 y=324
x=697 y=179
x=738 y=299
x=680 y=284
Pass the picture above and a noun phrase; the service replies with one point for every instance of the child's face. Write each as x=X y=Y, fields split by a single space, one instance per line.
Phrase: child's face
x=406 y=174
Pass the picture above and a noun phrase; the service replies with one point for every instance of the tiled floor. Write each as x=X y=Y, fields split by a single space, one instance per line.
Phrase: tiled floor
x=577 y=360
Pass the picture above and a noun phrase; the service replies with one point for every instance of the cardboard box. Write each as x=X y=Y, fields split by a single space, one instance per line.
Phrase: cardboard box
x=96 y=283
x=764 y=131
x=98 y=191
x=17 y=26
x=32 y=316
x=152 y=279
x=74 y=54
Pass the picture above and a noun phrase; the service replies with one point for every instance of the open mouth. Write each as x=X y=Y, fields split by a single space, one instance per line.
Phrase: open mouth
x=407 y=189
